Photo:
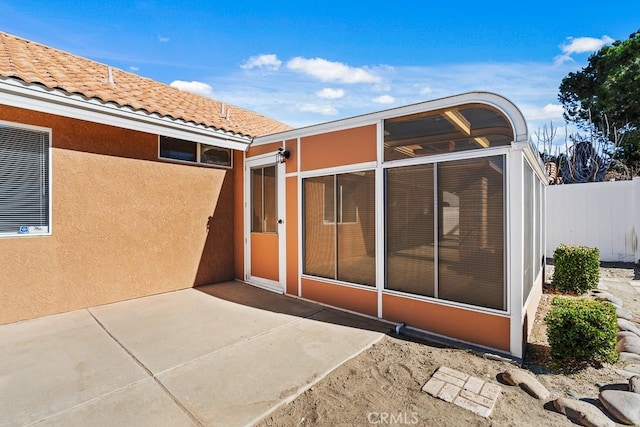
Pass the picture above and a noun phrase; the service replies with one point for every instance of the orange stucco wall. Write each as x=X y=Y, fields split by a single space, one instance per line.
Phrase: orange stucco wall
x=343 y=147
x=124 y=224
x=265 y=256
x=292 y=235
x=256 y=150
x=291 y=146
x=481 y=328
x=354 y=299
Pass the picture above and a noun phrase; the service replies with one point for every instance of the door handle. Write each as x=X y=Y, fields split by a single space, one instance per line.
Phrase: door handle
x=280 y=221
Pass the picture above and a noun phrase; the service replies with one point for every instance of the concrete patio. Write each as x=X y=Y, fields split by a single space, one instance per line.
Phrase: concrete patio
x=224 y=354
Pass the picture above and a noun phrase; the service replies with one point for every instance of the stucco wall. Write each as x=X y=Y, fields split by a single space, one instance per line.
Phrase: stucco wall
x=124 y=224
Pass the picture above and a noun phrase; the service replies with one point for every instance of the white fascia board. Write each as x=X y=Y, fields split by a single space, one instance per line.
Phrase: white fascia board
x=16 y=93
x=513 y=114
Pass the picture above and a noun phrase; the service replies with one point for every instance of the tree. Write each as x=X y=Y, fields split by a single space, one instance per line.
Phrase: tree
x=605 y=96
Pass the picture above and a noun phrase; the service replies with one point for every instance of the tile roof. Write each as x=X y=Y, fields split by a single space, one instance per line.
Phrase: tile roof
x=39 y=64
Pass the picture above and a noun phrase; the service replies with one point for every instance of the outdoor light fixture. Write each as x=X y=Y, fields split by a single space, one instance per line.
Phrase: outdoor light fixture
x=282 y=155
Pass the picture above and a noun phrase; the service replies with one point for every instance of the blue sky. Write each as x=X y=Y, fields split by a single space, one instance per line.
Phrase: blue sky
x=312 y=62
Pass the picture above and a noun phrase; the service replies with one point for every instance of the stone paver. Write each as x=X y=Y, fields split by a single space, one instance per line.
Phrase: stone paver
x=465 y=391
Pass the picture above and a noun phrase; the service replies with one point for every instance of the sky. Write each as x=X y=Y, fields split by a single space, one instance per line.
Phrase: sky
x=311 y=62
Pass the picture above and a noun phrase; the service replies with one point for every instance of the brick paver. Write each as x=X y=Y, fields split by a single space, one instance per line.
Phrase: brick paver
x=466 y=391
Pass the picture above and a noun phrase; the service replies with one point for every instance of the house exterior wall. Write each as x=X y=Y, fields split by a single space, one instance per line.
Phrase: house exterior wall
x=123 y=223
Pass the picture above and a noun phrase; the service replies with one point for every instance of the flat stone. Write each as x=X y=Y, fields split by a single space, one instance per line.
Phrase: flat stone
x=626 y=357
x=624 y=313
x=453 y=373
x=629 y=345
x=632 y=368
x=625 y=325
x=634 y=384
x=472 y=406
x=491 y=391
x=449 y=378
x=433 y=386
x=448 y=392
x=582 y=413
x=623 y=405
x=622 y=334
x=626 y=374
x=474 y=385
x=606 y=296
x=527 y=382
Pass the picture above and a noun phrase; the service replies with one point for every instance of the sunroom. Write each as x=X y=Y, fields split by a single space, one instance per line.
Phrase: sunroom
x=429 y=215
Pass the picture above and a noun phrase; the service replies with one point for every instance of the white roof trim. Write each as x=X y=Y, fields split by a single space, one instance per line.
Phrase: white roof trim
x=513 y=114
x=16 y=93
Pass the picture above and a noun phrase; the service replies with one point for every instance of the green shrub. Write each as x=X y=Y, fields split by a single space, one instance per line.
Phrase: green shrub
x=582 y=331
x=577 y=268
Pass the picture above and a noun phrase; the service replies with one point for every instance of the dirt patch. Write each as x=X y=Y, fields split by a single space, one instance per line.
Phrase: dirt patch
x=382 y=386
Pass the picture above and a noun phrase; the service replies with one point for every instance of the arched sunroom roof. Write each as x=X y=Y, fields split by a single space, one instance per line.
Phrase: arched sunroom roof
x=452 y=129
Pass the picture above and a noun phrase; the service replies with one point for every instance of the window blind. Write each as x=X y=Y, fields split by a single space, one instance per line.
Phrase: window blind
x=24 y=181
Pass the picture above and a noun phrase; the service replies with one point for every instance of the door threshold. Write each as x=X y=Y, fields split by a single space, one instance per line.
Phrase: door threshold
x=266 y=286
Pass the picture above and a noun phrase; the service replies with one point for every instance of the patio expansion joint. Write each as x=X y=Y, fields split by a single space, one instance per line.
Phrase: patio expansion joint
x=155 y=379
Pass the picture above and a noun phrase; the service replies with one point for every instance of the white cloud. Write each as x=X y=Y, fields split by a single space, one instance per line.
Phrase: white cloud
x=424 y=90
x=329 y=93
x=268 y=62
x=162 y=39
x=199 y=88
x=573 y=45
x=134 y=68
x=325 y=110
x=329 y=71
x=548 y=112
x=384 y=99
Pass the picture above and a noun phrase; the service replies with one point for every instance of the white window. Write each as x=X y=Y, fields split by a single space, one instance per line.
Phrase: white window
x=194 y=152
x=24 y=180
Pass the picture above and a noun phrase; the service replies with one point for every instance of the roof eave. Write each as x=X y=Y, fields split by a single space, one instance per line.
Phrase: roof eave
x=17 y=93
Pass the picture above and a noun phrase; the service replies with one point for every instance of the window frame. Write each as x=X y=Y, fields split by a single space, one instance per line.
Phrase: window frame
x=198 y=161
x=443 y=158
x=338 y=203
x=334 y=172
x=49 y=175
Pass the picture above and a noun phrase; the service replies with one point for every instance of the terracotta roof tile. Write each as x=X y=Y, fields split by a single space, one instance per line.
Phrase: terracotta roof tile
x=55 y=69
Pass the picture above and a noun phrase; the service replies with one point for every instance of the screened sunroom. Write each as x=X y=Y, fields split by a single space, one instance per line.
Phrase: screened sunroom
x=428 y=215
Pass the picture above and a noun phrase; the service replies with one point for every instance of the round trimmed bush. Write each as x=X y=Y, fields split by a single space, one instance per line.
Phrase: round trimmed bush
x=582 y=331
x=576 y=268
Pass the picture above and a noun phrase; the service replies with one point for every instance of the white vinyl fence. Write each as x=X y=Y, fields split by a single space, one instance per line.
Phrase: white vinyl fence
x=605 y=215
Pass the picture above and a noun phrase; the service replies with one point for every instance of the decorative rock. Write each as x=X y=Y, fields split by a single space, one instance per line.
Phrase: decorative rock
x=633 y=368
x=626 y=374
x=634 y=384
x=527 y=382
x=624 y=313
x=623 y=334
x=626 y=357
x=625 y=325
x=606 y=296
x=623 y=405
x=582 y=413
x=629 y=345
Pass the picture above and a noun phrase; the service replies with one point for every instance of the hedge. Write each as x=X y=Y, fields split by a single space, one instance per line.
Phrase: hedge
x=576 y=268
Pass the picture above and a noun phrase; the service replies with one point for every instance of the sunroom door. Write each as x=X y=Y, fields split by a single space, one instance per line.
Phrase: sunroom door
x=264 y=224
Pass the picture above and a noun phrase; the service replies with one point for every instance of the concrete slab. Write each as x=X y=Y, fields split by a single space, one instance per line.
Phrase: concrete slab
x=141 y=404
x=241 y=383
x=181 y=358
x=167 y=330
x=50 y=364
